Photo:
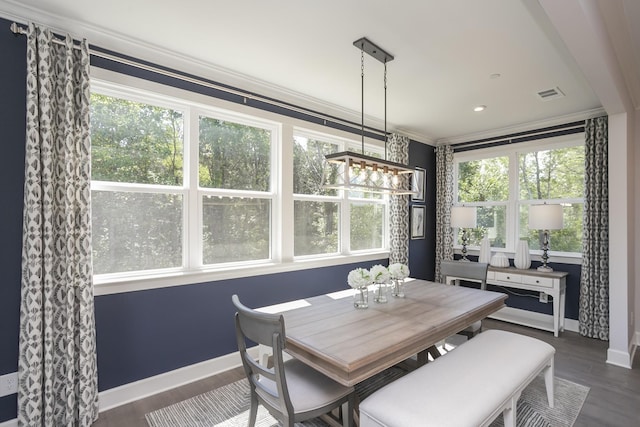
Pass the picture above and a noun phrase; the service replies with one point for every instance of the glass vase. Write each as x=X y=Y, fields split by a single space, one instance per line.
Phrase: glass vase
x=361 y=297
x=397 y=289
x=380 y=293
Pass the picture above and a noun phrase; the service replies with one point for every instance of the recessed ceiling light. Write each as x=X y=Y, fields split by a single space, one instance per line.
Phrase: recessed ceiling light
x=479 y=108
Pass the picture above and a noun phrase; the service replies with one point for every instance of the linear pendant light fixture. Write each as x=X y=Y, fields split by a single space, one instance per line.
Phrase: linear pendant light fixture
x=360 y=172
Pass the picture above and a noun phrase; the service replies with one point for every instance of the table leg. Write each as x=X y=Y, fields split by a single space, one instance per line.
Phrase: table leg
x=563 y=301
x=556 y=315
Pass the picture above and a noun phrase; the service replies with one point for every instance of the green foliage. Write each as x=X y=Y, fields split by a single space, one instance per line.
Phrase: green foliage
x=134 y=142
x=552 y=174
x=366 y=226
x=309 y=165
x=484 y=180
x=315 y=228
x=135 y=231
x=234 y=156
x=235 y=229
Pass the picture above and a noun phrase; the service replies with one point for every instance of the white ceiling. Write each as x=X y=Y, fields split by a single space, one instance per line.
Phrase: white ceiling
x=445 y=53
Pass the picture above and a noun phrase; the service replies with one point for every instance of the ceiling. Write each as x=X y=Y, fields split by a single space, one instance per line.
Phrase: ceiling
x=450 y=56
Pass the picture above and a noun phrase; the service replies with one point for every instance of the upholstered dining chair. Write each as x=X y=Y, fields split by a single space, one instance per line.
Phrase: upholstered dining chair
x=474 y=271
x=291 y=391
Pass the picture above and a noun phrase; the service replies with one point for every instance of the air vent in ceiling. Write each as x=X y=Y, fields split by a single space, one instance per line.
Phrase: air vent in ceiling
x=549 y=94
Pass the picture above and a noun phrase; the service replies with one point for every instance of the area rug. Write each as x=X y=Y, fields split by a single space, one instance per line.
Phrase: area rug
x=228 y=406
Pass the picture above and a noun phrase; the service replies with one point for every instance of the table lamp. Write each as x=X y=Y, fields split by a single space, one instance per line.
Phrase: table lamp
x=545 y=217
x=463 y=217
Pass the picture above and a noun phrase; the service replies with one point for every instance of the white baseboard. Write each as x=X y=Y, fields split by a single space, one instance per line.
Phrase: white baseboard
x=532 y=319
x=619 y=358
x=10 y=423
x=149 y=386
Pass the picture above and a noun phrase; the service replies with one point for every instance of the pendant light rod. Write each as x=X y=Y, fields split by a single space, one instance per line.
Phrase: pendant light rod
x=362 y=93
x=366 y=45
x=385 y=111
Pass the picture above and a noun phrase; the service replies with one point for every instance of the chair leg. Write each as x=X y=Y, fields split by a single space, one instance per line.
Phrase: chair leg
x=253 y=410
x=548 y=382
x=347 y=411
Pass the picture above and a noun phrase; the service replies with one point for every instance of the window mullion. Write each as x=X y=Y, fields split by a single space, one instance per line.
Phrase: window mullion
x=513 y=207
x=283 y=240
x=193 y=214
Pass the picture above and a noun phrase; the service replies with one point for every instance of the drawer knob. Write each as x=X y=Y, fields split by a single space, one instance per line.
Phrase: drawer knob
x=537 y=281
x=508 y=277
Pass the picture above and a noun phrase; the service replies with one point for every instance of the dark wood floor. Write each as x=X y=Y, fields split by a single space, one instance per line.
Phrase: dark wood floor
x=614 y=398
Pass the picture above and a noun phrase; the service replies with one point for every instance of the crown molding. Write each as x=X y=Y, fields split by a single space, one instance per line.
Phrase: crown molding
x=523 y=127
x=121 y=44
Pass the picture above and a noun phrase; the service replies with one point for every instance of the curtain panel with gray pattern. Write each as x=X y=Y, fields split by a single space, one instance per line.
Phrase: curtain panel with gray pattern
x=594 y=280
x=398 y=147
x=444 y=201
x=57 y=371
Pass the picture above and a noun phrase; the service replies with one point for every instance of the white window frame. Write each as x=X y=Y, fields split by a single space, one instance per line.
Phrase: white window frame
x=343 y=198
x=281 y=195
x=513 y=203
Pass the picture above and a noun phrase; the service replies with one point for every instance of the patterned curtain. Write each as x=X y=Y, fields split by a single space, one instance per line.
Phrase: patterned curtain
x=58 y=384
x=444 y=200
x=398 y=147
x=594 y=280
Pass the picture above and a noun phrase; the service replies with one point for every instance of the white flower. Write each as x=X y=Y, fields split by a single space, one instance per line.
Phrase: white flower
x=398 y=271
x=380 y=274
x=358 y=278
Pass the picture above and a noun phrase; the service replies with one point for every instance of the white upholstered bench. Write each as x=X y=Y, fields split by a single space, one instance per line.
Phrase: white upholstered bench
x=469 y=386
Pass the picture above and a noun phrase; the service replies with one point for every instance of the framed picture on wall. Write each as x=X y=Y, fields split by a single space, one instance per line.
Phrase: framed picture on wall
x=418 y=214
x=418 y=184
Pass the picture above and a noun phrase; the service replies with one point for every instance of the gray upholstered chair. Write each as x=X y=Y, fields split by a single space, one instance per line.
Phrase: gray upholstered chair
x=474 y=271
x=291 y=391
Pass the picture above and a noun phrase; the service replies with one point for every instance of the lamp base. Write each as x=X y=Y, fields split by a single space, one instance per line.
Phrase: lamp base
x=545 y=268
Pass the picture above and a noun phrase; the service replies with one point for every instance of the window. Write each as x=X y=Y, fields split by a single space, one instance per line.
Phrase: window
x=234 y=180
x=181 y=186
x=316 y=210
x=502 y=183
x=137 y=187
x=319 y=212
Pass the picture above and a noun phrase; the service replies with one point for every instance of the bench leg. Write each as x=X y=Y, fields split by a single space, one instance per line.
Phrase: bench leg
x=548 y=382
x=509 y=414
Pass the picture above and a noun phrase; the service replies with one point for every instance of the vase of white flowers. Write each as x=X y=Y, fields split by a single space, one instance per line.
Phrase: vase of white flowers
x=360 y=279
x=398 y=273
x=380 y=276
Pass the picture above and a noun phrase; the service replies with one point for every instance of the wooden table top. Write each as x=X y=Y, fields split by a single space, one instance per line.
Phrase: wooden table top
x=350 y=345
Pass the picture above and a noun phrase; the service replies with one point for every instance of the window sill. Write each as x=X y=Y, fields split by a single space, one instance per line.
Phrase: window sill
x=164 y=280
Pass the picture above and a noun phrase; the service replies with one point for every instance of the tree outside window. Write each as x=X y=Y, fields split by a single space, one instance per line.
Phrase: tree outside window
x=503 y=187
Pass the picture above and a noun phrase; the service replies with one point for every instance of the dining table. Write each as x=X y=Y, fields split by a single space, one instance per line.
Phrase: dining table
x=352 y=344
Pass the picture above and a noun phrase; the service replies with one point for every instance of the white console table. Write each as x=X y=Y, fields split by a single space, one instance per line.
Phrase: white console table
x=552 y=283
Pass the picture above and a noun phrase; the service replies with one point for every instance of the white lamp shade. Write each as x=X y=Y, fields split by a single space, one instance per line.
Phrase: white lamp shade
x=545 y=217
x=463 y=216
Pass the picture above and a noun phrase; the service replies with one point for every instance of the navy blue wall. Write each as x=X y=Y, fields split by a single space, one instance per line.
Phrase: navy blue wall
x=145 y=333
x=12 y=112
x=422 y=251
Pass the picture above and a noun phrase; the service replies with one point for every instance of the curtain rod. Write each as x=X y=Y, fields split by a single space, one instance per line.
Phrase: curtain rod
x=112 y=56
x=531 y=135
